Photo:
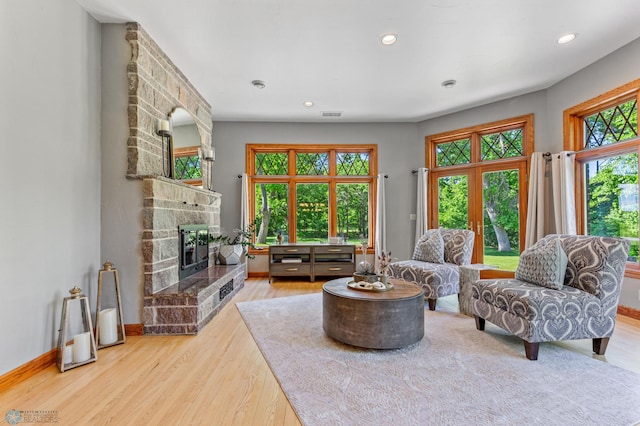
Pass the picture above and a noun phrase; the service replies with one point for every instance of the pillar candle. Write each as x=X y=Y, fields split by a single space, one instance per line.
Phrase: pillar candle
x=81 y=347
x=67 y=357
x=163 y=125
x=209 y=154
x=108 y=326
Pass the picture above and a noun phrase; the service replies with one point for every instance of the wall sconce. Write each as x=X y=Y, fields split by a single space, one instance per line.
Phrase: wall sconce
x=164 y=131
x=209 y=155
x=109 y=328
x=83 y=350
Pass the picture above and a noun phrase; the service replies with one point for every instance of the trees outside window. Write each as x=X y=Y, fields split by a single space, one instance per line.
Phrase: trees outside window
x=477 y=181
x=307 y=193
x=186 y=165
x=604 y=133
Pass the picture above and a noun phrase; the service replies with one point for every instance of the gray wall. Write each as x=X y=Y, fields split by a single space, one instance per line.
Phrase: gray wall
x=398 y=154
x=533 y=103
x=186 y=136
x=49 y=169
x=614 y=70
x=121 y=225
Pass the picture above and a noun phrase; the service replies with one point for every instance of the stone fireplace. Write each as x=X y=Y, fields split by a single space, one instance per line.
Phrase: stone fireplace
x=171 y=305
x=193 y=249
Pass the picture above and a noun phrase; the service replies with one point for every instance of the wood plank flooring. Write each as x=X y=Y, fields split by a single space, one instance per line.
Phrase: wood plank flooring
x=216 y=378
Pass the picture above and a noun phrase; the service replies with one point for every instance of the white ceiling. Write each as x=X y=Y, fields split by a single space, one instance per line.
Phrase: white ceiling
x=329 y=51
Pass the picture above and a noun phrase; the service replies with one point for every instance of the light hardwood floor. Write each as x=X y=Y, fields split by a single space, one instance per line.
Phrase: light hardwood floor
x=216 y=378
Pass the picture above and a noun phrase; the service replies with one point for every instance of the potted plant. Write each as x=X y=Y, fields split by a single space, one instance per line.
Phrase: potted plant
x=233 y=247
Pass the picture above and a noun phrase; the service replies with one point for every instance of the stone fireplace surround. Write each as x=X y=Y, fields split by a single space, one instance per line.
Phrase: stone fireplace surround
x=171 y=306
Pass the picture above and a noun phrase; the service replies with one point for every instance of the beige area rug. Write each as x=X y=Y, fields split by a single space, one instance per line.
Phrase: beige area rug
x=455 y=376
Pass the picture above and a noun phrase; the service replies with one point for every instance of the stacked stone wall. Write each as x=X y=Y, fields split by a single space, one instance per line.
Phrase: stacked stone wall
x=168 y=204
x=156 y=88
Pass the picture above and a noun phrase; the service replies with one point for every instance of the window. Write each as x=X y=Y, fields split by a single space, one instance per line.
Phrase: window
x=604 y=133
x=186 y=166
x=477 y=181
x=308 y=193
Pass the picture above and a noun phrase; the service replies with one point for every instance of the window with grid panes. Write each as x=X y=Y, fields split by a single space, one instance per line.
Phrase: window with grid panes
x=186 y=165
x=477 y=181
x=604 y=133
x=308 y=193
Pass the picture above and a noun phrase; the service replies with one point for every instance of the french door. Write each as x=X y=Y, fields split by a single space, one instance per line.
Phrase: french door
x=488 y=199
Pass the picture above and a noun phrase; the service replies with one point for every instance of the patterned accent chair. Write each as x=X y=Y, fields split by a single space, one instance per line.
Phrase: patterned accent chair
x=435 y=261
x=583 y=306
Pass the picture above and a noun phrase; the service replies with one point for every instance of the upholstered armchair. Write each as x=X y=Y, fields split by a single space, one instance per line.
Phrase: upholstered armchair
x=435 y=261
x=566 y=287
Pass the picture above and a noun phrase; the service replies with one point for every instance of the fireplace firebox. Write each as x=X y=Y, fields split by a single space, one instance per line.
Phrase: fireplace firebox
x=194 y=249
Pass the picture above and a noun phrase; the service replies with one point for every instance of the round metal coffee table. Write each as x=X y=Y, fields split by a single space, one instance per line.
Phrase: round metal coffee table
x=376 y=320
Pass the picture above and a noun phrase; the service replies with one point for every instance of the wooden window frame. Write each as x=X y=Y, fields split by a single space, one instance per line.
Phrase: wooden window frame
x=188 y=151
x=475 y=168
x=475 y=133
x=573 y=135
x=331 y=178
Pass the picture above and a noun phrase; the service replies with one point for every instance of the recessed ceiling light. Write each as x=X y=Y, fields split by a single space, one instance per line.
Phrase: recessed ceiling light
x=308 y=104
x=448 y=84
x=567 y=38
x=389 y=39
x=258 y=84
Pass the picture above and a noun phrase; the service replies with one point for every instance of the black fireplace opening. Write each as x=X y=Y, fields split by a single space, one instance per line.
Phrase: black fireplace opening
x=194 y=249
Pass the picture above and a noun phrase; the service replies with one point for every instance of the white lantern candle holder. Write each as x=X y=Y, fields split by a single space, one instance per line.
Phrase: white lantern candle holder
x=109 y=322
x=83 y=350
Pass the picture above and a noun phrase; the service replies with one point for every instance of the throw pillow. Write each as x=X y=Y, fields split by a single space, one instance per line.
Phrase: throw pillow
x=544 y=264
x=430 y=247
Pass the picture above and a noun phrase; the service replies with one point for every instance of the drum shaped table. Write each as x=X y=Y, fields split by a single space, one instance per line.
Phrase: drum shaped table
x=376 y=320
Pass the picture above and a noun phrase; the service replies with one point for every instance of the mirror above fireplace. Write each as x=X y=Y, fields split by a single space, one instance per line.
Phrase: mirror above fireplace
x=186 y=143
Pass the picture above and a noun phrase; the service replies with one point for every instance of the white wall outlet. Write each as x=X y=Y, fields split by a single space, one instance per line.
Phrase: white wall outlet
x=638 y=294
x=412 y=216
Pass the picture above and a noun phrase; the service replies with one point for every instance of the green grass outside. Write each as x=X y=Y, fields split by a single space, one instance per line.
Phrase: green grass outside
x=272 y=240
x=503 y=260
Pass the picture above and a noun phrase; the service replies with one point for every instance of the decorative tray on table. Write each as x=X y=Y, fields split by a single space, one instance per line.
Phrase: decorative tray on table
x=376 y=286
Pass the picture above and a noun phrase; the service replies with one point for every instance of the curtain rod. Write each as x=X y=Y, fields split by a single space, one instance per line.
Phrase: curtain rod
x=547 y=155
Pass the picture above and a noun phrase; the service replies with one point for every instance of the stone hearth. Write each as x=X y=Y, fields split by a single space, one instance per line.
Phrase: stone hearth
x=187 y=306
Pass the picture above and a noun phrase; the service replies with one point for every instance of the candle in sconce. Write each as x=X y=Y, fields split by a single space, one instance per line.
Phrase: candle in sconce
x=211 y=154
x=163 y=126
x=108 y=326
x=67 y=356
x=81 y=347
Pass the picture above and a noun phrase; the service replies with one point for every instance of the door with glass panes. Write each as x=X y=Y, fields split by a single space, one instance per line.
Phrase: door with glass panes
x=486 y=200
x=477 y=181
